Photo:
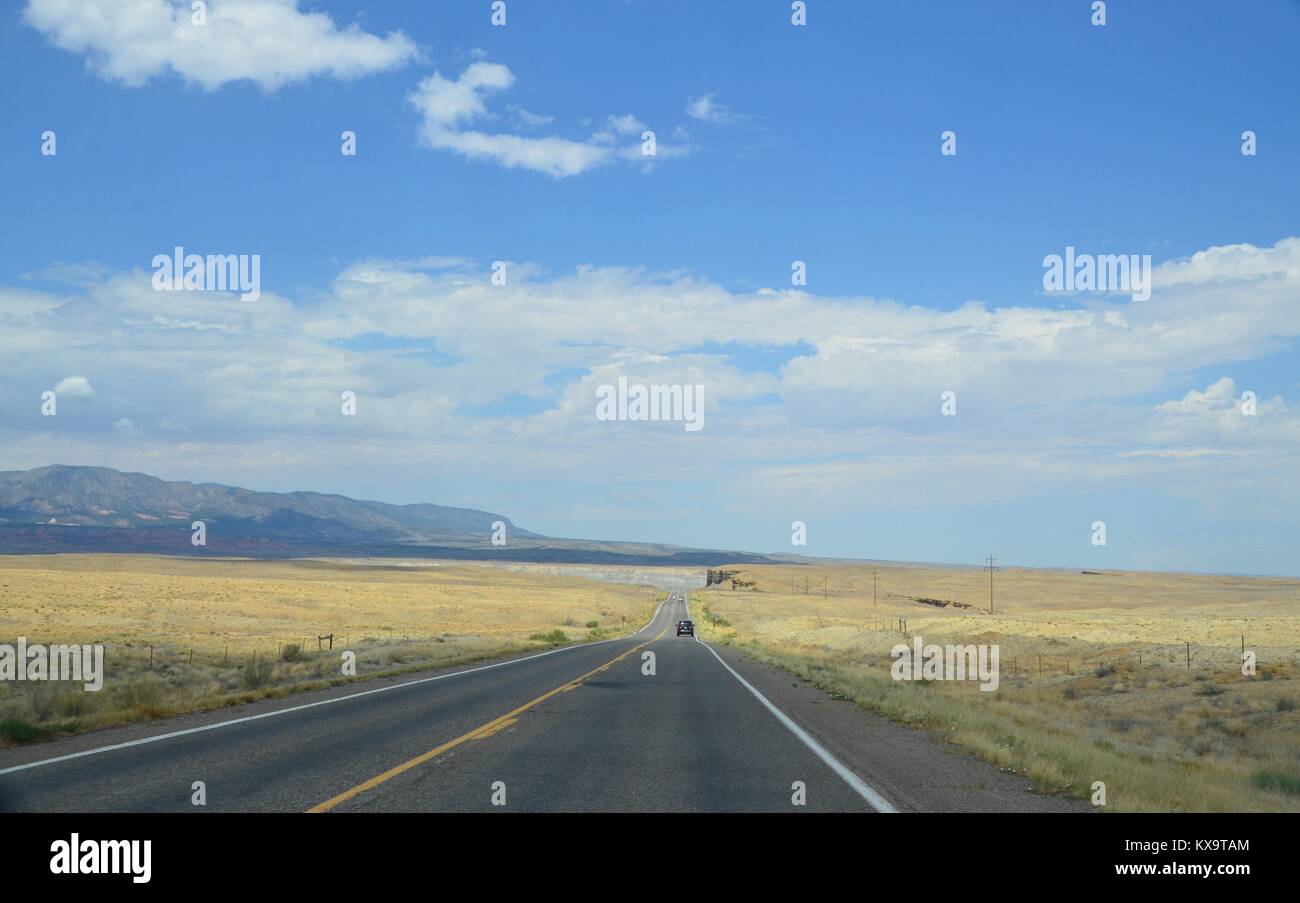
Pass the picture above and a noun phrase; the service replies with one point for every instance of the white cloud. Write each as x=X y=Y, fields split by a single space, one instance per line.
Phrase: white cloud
x=1217 y=418
x=270 y=42
x=1048 y=400
x=557 y=157
x=74 y=387
x=529 y=120
x=627 y=124
x=1216 y=397
x=84 y=273
x=872 y=360
x=449 y=107
x=706 y=109
x=1172 y=453
x=446 y=103
x=624 y=126
x=437 y=262
x=124 y=426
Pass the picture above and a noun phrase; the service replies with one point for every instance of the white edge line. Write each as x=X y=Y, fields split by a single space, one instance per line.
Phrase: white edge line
x=311 y=705
x=874 y=799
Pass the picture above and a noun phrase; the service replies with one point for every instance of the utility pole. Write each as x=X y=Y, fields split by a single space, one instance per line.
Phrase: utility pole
x=873 y=588
x=990 y=568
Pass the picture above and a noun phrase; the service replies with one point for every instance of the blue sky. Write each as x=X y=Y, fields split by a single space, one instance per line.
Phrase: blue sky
x=818 y=143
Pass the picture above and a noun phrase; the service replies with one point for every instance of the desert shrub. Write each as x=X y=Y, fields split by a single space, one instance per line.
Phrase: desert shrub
x=1276 y=782
x=256 y=673
x=145 y=693
x=16 y=730
x=291 y=652
x=74 y=701
x=555 y=636
x=40 y=702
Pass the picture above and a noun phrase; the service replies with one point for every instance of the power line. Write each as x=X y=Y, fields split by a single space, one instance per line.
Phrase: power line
x=990 y=568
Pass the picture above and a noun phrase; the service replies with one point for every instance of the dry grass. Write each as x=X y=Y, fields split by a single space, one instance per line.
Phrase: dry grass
x=1116 y=700
x=218 y=632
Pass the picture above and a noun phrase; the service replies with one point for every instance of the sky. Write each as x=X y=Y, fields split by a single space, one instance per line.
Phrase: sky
x=520 y=149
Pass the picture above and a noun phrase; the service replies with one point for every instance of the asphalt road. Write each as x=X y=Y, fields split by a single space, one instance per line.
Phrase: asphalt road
x=581 y=728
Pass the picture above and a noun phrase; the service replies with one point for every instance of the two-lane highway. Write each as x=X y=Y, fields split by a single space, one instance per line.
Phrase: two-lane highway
x=648 y=722
x=675 y=731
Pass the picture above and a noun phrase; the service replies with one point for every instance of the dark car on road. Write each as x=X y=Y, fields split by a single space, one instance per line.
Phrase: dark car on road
x=686 y=628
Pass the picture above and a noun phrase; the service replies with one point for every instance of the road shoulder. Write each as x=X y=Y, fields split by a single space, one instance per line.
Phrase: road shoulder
x=915 y=772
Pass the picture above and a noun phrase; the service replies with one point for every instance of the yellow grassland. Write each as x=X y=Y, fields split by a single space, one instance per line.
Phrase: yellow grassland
x=1115 y=700
x=188 y=634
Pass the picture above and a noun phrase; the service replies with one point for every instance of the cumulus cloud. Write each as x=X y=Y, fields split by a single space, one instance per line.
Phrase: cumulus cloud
x=846 y=407
x=269 y=42
x=1219 y=417
x=450 y=106
x=873 y=361
x=1218 y=396
x=74 y=387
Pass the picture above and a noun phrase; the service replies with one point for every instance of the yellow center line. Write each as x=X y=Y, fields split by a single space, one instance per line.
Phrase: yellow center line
x=486 y=730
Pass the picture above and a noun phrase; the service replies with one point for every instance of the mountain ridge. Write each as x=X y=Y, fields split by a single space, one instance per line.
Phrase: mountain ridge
x=61 y=508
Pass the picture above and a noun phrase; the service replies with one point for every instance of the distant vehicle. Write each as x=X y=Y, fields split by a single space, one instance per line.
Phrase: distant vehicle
x=686 y=628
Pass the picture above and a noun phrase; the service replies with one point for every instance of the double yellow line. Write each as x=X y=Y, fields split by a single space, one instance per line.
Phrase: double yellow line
x=486 y=730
